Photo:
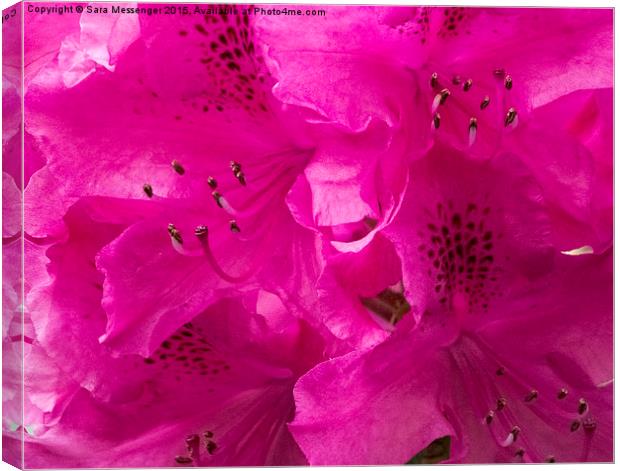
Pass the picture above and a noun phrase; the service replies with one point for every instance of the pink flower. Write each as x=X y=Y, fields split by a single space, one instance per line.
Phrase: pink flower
x=498 y=353
x=186 y=123
x=448 y=64
x=214 y=391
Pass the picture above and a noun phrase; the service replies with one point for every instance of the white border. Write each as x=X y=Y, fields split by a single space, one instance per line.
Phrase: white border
x=505 y=3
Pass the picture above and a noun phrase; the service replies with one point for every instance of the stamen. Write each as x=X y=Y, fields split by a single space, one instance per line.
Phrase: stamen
x=241 y=177
x=533 y=394
x=212 y=182
x=510 y=117
x=520 y=452
x=193 y=445
x=174 y=233
x=234 y=227
x=501 y=403
x=183 y=459
x=235 y=166
x=436 y=120
x=148 y=189
x=177 y=167
x=508 y=82
x=434 y=79
x=485 y=102
x=440 y=99
x=211 y=447
x=589 y=425
x=583 y=406
x=473 y=129
x=456 y=80
x=489 y=417
x=562 y=393
x=218 y=198
x=202 y=234
x=467 y=85
x=499 y=72
x=208 y=434
x=201 y=231
x=575 y=426
x=512 y=437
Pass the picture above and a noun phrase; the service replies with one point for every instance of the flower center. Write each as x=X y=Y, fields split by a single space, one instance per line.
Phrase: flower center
x=460 y=247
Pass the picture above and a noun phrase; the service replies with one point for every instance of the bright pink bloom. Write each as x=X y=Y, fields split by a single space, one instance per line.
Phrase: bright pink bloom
x=501 y=326
x=226 y=377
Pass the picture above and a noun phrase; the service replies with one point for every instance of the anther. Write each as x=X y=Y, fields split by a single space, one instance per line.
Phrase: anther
x=434 y=79
x=512 y=437
x=583 y=406
x=174 y=233
x=508 y=82
x=436 y=120
x=499 y=72
x=562 y=393
x=589 y=424
x=177 y=167
x=489 y=417
x=440 y=99
x=183 y=459
x=550 y=459
x=575 y=425
x=218 y=198
x=211 y=447
x=501 y=403
x=148 y=189
x=520 y=452
x=208 y=434
x=234 y=227
x=456 y=80
x=485 y=102
x=201 y=231
x=473 y=129
x=467 y=85
x=240 y=176
x=510 y=117
x=192 y=442
x=445 y=93
x=235 y=166
x=212 y=182
x=532 y=395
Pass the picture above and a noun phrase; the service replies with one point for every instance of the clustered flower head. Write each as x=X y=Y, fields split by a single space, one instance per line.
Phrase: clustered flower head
x=349 y=238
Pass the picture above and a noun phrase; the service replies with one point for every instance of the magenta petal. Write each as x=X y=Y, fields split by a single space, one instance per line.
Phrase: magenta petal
x=396 y=411
x=134 y=265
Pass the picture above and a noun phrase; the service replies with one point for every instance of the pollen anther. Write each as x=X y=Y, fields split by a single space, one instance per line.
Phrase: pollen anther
x=583 y=406
x=212 y=182
x=531 y=396
x=562 y=393
x=436 y=120
x=434 y=79
x=148 y=189
x=177 y=167
x=485 y=102
x=511 y=115
x=174 y=233
x=508 y=82
x=467 y=85
x=234 y=227
x=201 y=231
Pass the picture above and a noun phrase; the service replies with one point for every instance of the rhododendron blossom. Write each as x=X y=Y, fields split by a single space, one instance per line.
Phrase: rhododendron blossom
x=306 y=235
